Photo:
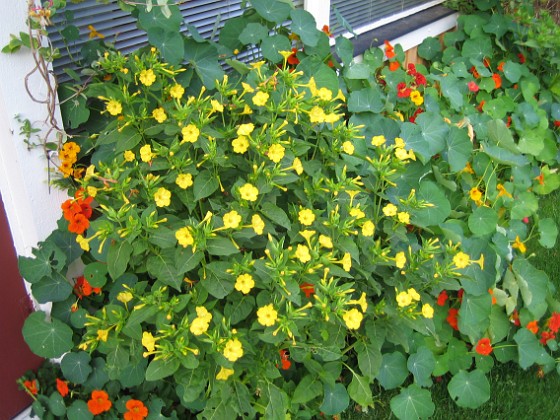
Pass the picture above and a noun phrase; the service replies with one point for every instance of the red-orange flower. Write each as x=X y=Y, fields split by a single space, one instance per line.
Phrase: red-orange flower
x=31 y=386
x=83 y=288
x=99 y=402
x=486 y=62
x=292 y=58
x=389 y=50
x=473 y=87
x=545 y=336
x=136 y=410
x=533 y=326
x=554 y=322
x=394 y=65
x=442 y=298
x=493 y=297
x=474 y=72
x=480 y=106
x=452 y=318
x=62 y=387
x=484 y=347
x=308 y=289
x=514 y=318
x=501 y=66
x=521 y=58
x=497 y=80
x=326 y=30
x=78 y=224
x=285 y=359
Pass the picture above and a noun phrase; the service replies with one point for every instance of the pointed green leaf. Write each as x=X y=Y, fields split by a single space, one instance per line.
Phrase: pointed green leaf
x=217 y=281
x=118 y=257
x=205 y=184
x=159 y=369
x=307 y=389
x=47 y=339
x=221 y=246
x=276 y=214
x=413 y=403
x=360 y=391
x=369 y=358
x=162 y=267
x=469 y=389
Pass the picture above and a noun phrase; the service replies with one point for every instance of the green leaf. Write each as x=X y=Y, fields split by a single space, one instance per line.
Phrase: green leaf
x=421 y=364
x=73 y=108
x=307 y=389
x=458 y=357
x=498 y=25
x=276 y=214
x=529 y=348
x=335 y=399
x=344 y=49
x=272 y=10
x=186 y=260
x=483 y=221
x=271 y=46
x=159 y=369
x=239 y=308
x=134 y=373
x=458 y=149
x=477 y=48
x=360 y=391
x=427 y=136
x=429 y=48
x=34 y=269
x=469 y=389
x=304 y=25
x=205 y=184
x=504 y=156
x=76 y=366
x=369 y=358
x=118 y=258
x=474 y=314
x=513 y=71
x=79 y=411
x=98 y=377
x=96 y=274
x=162 y=267
x=47 y=339
x=253 y=33
x=221 y=246
x=533 y=285
x=277 y=405
x=156 y=17
x=548 y=231
x=229 y=34
x=500 y=135
x=357 y=71
x=55 y=288
x=532 y=142
x=412 y=402
x=366 y=100
x=217 y=281
x=56 y=404
x=437 y=210
x=393 y=370
x=169 y=42
x=526 y=204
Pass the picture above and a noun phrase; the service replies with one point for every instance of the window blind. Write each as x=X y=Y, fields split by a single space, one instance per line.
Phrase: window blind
x=360 y=13
x=120 y=28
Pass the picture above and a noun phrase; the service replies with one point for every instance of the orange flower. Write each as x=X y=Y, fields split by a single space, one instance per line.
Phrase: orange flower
x=486 y=62
x=497 y=80
x=285 y=359
x=308 y=289
x=554 y=322
x=78 y=224
x=31 y=386
x=327 y=31
x=480 y=106
x=533 y=326
x=62 y=387
x=518 y=244
x=484 y=347
x=99 y=402
x=452 y=318
x=501 y=66
x=394 y=65
x=389 y=50
x=136 y=410
x=493 y=297
x=474 y=72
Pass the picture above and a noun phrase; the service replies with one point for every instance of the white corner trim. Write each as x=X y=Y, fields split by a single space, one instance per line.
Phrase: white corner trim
x=415 y=38
x=321 y=11
x=25 y=415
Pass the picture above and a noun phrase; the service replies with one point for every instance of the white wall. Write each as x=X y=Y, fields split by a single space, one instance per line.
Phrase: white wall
x=31 y=208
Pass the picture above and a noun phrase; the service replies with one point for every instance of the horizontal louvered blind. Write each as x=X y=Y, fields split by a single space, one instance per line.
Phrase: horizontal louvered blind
x=359 y=13
x=120 y=27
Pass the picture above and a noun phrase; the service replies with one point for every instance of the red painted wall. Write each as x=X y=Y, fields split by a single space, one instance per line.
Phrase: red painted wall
x=15 y=356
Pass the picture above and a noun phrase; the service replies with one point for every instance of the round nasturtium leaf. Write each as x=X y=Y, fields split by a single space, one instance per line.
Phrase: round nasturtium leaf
x=335 y=400
x=79 y=411
x=96 y=274
x=47 y=338
x=469 y=389
x=413 y=403
x=56 y=404
x=76 y=366
x=393 y=370
x=483 y=221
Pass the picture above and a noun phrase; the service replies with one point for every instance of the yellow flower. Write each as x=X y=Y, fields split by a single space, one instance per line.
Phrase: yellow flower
x=83 y=242
x=245 y=129
x=260 y=98
x=276 y=152
x=368 y=228
x=244 y=283
x=232 y=220
x=413 y=294
x=346 y=262
x=184 y=181
x=267 y=315
x=325 y=94
x=247 y=87
x=306 y=217
x=246 y=110
x=362 y=302
x=461 y=260
x=199 y=326
x=403 y=217
x=147 y=77
x=233 y=350
x=125 y=296
x=148 y=341
x=390 y=210
x=400 y=259
x=427 y=311
x=353 y=319
x=401 y=154
x=240 y=144
x=325 y=241
x=216 y=106
x=348 y=147
x=502 y=191
x=162 y=197
x=399 y=143
x=202 y=312
x=331 y=117
x=249 y=192
x=475 y=194
x=518 y=244
x=378 y=140
x=257 y=223
x=177 y=91
x=102 y=335
x=224 y=374
x=113 y=107
x=416 y=98
x=129 y=156
x=184 y=236
x=190 y=133
x=146 y=153
x=317 y=115
x=403 y=299
x=357 y=213
x=302 y=253
x=297 y=165
x=307 y=234
x=159 y=115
